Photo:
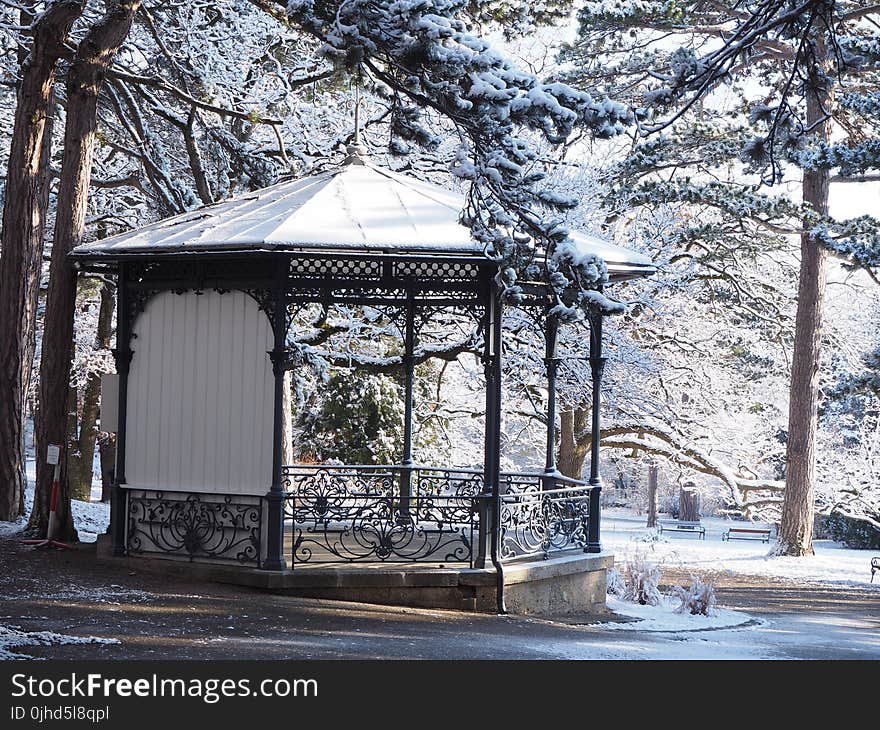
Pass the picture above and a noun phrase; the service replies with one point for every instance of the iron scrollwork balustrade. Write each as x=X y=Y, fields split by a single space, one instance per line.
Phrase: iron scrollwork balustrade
x=543 y=515
x=356 y=514
x=195 y=526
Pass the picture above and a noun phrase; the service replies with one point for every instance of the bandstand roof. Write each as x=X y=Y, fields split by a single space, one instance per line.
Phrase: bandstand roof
x=359 y=208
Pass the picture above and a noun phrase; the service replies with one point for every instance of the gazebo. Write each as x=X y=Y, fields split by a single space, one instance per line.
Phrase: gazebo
x=205 y=304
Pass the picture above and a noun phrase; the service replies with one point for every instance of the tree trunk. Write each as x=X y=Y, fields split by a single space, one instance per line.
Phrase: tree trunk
x=689 y=505
x=653 y=472
x=84 y=80
x=573 y=444
x=287 y=452
x=21 y=245
x=81 y=452
x=796 y=525
x=84 y=434
x=107 y=450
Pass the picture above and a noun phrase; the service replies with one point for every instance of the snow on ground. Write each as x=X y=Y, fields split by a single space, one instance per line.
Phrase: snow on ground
x=89 y=518
x=12 y=637
x=112 y=594
x=624 y=534
x=665 y=618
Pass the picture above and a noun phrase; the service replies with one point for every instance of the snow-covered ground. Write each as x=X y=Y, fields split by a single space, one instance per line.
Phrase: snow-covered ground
x=89 y=518
x=624 y=533
x=12 y=637
x=665 y=618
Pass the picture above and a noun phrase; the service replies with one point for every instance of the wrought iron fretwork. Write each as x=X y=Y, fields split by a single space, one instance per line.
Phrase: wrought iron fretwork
x=428 y=270
x=195 y=526
x=542 y=515
x=342 y=268
x=265 y=299
x=356 y=514
x=329 y=280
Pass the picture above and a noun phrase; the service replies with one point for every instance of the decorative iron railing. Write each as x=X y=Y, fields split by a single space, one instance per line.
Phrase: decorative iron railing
x=542 y=515
x=382 y=513
x=333 y=481
x=211 y=527
x=404 y=514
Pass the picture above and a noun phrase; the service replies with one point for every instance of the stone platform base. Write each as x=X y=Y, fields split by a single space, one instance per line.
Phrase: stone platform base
x=568 y=584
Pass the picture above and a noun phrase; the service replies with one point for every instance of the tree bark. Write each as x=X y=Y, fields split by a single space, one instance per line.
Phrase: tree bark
x=84 y=80
x=573 y=445
x=689 y=505
x=81 y=449
x=21 y=244
x=107 y=450
x=795 y=535
x=84 y=434
x=653 y=472
x=287 y=452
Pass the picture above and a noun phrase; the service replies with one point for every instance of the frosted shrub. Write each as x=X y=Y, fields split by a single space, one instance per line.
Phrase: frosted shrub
x=698 y=599
x=615 y=582
x=640 y=579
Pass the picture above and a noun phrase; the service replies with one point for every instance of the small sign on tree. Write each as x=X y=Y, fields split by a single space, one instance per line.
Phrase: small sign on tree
x=53 y=454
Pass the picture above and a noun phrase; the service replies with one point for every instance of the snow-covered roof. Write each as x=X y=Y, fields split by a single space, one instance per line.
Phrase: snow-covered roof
x=358 y=208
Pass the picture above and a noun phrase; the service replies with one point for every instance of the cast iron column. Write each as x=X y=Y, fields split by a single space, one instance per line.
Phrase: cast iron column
x=597 y=366
x=551 y=362
x=409 y=340
x=122 y=355
x=491 y=370
x=494 y=475
x=275 y=496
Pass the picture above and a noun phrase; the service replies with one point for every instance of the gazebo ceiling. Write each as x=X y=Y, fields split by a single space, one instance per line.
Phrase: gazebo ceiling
x=359 y=208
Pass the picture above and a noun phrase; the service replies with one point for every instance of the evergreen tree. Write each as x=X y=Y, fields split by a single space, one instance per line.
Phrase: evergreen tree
x=808 y=77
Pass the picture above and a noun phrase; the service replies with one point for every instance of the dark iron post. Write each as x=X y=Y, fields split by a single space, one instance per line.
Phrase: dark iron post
x=597 y=366
x=493 y=475
x=279 y=356
x=551 y=332
x=490 y=449
x=122 y=355
x=409 y=364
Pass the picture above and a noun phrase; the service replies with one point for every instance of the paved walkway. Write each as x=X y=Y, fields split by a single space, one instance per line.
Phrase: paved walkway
x=69 y=594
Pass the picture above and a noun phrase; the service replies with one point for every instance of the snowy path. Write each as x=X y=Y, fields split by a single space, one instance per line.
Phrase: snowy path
x=771 y=608
x=624 y=533
x=70 y=595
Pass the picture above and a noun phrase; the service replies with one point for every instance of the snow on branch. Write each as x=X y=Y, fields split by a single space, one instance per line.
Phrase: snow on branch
x=425 y=54
x=659 y=439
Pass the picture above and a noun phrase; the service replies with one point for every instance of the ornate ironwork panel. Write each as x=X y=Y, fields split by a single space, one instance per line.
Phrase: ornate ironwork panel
x=356 y=514
x=384 y=529
x=337 y=268
x=195 y=526
x=327 y=482
x=542 y=515
x=447 y=482
x=448 y=270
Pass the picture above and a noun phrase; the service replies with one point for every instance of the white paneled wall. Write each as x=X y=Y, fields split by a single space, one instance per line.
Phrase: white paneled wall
x=200 y=395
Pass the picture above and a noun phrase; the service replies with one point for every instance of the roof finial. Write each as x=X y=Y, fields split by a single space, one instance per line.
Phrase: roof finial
x=357 y=153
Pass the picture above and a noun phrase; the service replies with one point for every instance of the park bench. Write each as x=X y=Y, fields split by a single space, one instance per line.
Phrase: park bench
x=688 y=528
x=875 y=566
x=747 y=533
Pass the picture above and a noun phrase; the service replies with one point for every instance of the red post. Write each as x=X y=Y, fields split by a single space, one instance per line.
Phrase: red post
x=53 y=456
